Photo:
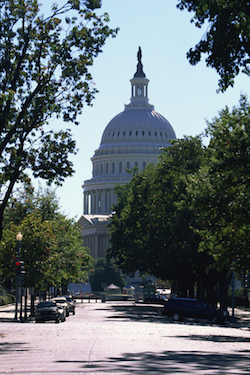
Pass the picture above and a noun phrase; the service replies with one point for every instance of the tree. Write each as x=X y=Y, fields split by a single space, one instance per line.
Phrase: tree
x=151 y=230
x=72 y=261
x=226 y=41
x=52 y=247
x=105 y=273
x=221 y=190
x=44 y=74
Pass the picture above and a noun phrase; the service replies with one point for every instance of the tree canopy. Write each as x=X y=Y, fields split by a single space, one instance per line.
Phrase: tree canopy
x=52 y=247
x=226 y=42
x=44 y=74
x=151 y=229
x=221 y=190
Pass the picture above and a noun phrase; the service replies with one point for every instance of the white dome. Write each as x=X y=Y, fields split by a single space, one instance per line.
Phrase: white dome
x=136 y=127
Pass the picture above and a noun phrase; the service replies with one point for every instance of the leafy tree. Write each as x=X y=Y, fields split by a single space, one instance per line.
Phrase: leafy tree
x=44 y=74
x=72 y=261
x=52 y=247
x=221 y=190
x=226 y=42
x=105 y=273
x=38 y=243
x=151 y=230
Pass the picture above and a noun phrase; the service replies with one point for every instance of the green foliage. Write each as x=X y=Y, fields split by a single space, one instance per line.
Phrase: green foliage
x=151 y=230
x=226 y=42
x=187 y=219
x=221 y=190
x=105 y=273
x=6 y=299
x=52 y=248
x=44 y=74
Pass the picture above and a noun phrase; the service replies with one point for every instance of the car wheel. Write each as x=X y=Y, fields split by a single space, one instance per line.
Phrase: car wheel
x=74 y=312
x=176 y=316
x=57 y=320
x=67 y=313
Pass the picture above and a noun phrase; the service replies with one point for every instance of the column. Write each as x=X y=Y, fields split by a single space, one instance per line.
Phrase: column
x=102 y=201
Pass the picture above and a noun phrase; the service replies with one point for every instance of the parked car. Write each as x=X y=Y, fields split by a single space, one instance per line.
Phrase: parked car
x=71 y=303
x=48 y=310
x=63 y=302
x=179 y=308
x=157 y=298
x=62 y=312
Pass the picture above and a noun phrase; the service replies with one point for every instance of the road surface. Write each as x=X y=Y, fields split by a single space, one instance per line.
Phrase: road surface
x=123 y=338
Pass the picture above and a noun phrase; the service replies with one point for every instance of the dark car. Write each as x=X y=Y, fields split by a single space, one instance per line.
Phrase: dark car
x=48 y=310
x=71 y=304
x=179 y=308
x=157 y=298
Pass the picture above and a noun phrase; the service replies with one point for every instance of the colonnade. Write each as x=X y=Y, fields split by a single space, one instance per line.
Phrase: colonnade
x=98 y=201
x=97 y=243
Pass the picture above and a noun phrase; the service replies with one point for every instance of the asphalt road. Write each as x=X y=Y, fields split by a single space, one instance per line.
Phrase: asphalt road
x=123 y=338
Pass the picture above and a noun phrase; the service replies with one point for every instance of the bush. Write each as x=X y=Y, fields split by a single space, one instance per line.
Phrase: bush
x=11 y=297
x=6 y=299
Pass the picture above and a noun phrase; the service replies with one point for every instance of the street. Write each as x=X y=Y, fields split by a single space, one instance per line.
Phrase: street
x=123 y=338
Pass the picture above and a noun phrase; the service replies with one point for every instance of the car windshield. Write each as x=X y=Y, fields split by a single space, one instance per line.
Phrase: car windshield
x=60 y=300
x=46 y=304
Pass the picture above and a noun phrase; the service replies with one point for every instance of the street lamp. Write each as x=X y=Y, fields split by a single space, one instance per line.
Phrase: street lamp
x=19 y=238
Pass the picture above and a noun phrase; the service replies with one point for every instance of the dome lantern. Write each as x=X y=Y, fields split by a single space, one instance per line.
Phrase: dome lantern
x=139 y=88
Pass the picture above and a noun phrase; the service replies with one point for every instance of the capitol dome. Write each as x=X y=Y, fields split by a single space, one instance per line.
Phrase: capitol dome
x=137 y=128
x=132 y=139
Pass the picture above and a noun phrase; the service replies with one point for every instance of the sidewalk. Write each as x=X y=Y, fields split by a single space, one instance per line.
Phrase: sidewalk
x=7 y=313
x=242 y=316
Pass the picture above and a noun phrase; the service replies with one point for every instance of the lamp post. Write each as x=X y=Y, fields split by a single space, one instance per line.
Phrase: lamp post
x=19 y=238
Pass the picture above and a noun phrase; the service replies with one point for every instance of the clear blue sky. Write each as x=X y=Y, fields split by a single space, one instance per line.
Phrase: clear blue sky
x=184 y=94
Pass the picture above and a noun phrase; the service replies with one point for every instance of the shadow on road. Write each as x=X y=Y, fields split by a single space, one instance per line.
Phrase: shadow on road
x=215 y=338
x=137 y=312
x=12 y=347
x=153 y=313
x=170 y=362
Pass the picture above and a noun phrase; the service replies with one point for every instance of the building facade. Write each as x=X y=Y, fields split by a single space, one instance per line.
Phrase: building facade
x=133 y=138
